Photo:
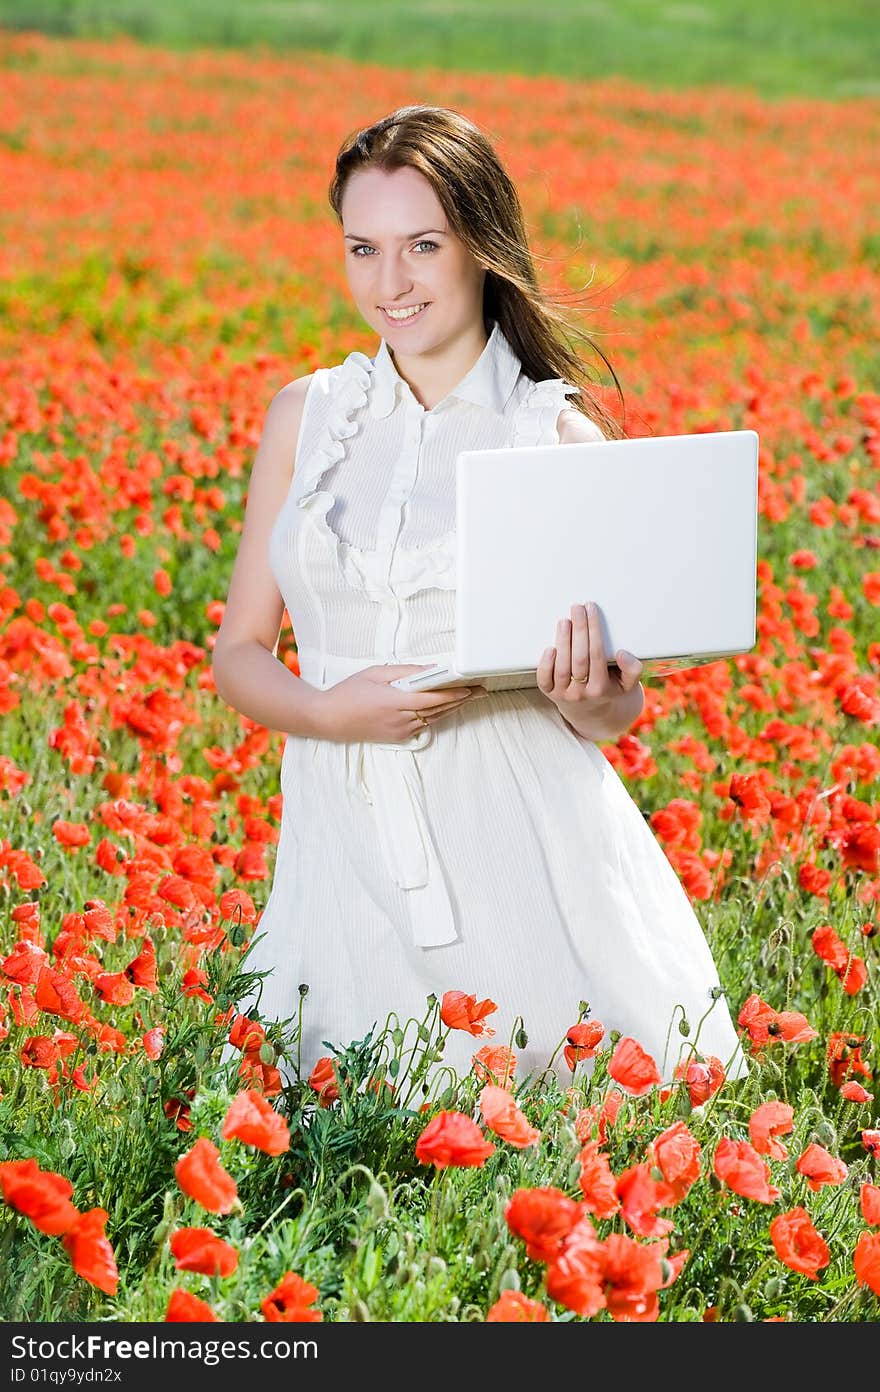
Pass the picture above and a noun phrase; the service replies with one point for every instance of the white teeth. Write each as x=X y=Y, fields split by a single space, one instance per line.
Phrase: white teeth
x=405 y=313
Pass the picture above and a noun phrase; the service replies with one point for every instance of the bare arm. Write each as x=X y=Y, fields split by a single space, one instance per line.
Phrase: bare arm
x=247 y=673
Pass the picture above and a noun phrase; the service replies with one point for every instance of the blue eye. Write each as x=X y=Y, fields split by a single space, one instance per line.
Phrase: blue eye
x=362 y=246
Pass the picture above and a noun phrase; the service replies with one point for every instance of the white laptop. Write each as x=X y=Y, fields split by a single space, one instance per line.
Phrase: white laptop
x=660 y=531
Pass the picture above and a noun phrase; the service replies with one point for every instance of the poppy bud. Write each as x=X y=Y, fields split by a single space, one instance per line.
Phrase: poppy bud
x=826 y=1135
x=304 y=988
x=377 y=1201
x=773 y=1289
x=683 y=1027
x=743 y=1315
x=521 y=1039
x=359 y=1313
x=510 y=1280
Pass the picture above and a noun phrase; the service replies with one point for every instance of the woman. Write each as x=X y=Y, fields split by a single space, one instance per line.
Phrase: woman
x=447 y=840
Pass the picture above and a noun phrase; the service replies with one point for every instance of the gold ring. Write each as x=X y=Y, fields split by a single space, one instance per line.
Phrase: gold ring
x=582 y=681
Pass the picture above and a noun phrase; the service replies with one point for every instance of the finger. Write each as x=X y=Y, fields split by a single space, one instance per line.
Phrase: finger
x=435 y=712
x=544 y=673
x=563 y=652
x=630 y=669
x=428 y=700
x=598 y=660
x=580 y=644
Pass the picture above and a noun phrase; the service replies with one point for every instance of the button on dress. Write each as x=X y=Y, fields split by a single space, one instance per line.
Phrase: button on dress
x=495 y=852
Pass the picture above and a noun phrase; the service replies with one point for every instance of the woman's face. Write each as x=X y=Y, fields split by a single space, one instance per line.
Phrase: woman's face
x=399 y=251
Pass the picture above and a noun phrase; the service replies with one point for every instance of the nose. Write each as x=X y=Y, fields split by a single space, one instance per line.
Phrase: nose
x=392 y=282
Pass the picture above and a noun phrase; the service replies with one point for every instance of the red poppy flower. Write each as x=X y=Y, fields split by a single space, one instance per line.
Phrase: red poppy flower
x=39 y=1051
x=854 y=1092
x=747 y=792
x=185 y=1308
x=632 y=1274
x=451 y=1138
x=845 y=1057
x=642 y=1196
x=504 y=1118
x=850 y=970
x=630 y=1066
x=598 y=1182
x=141 y=970
x=254 y=1121
x=461 y=1011
x=177 y=1109
x=198 y=1249
x=202 y=1177
x=768 y=1026
x=194 y=983
x=56 y=995
x=40 y=1195
x=869 y=1201
x=871 y=1142
x=542 y=1217
x=767 y=1121
x=247 y=1035
x=575 y=1275
x=153 y=1041
x=741 y=1168
x=24 y=963
x=90 y=1253
x=583 y=1042
x=324 y=1081
x=866 y=1261
x=494 y=1064
x=114 y=988
x=798 y=1244
x=512 y=1307
x=702 y=1077
x=604 y=1113
x=263 y=1077
x=290 y=1300
x=676 y=1153
x=820 y=1167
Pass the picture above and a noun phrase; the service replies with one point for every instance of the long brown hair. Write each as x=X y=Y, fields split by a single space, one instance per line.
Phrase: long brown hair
x=483 y=209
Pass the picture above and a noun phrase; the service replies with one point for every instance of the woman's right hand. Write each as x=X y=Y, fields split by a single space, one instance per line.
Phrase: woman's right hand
x=365 y=706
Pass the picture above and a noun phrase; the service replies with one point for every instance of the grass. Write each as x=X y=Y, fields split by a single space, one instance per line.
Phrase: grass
x=809 y=47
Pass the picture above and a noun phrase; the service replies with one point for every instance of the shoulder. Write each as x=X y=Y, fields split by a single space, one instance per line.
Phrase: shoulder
x=291 y=398
x=574 y=428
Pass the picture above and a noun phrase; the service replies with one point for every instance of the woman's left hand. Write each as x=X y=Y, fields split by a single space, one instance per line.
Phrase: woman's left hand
x=597 y=701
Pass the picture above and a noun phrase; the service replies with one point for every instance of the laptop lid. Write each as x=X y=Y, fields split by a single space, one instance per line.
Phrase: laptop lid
x=660 y=531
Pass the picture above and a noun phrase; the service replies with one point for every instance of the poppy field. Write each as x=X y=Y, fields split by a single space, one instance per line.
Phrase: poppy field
x=167 y=262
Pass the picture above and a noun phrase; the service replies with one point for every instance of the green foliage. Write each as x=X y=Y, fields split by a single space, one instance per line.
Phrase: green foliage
x=792 y=46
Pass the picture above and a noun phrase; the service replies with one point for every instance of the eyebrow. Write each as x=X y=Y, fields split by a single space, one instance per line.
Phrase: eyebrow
x=350 y=236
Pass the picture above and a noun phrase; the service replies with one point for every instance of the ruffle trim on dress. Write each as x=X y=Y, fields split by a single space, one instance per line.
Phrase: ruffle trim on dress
x=424 y=567
x=536 y=416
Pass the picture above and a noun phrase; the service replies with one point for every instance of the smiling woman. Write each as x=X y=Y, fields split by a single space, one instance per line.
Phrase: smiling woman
x=430 y=845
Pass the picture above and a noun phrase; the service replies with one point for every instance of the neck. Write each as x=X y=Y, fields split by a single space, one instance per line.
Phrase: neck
x=432 y=375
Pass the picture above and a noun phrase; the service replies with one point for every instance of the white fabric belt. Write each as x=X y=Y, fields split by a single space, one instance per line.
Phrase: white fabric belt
x=388 y=776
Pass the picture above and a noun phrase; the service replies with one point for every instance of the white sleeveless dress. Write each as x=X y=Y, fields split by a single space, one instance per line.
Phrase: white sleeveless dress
x=495 y=852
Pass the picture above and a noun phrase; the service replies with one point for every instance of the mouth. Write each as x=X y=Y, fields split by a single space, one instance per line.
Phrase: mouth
x=408 y=318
